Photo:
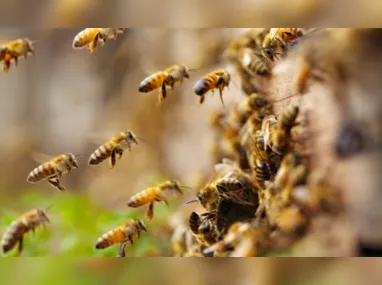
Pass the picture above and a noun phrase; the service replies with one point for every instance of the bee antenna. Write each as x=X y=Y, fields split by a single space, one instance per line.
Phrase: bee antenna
x=77 y=155
x=193 y=69
x=234 y=83
x=35 y=41
x=186 y=187
x=142 y=140
x=49 y=207
x=192 y=201
x=282 y=99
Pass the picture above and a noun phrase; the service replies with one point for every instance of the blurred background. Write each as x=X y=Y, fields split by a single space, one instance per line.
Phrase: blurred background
x=64 y=100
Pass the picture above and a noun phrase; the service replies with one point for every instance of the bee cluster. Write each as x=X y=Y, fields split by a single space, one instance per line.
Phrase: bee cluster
x=264 y=188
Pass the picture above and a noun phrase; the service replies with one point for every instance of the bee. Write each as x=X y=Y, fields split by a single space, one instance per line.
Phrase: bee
x=218 y=79
x=91 y=36
x=277 y=132
x=53 y=170
x=14 y=50
x=151 y=195
x=121 y=235
x=161 y=79
x=278 y=37
x=253 y=63
x=204 y=227
x=262 y=173
x=113 y=148
x=16 y=231
x=288 y=118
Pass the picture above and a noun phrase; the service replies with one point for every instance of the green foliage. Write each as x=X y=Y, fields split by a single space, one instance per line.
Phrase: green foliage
x=76 y=224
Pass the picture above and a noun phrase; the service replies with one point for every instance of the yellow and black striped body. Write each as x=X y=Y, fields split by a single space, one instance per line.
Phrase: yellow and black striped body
x=288 y=118
x=262 y=173
x=16 y=231
x=207 y=83
x=14 y=50
x=122 y=234
x=13 y=235
x=53 y=168
x=284 y=35
x=253 y=63
x=144 y=197
x=208 y=196
x=103 y=152
x=113 y=149
x=153 y=81
x=219 y=79
x=88 y=37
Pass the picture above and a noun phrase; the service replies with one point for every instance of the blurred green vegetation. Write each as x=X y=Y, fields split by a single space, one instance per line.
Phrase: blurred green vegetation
x=76 y=224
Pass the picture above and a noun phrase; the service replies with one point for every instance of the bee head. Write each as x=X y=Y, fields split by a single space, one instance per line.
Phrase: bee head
x=73 y=159
x=185 y=71
x=140 y=225
x=130 y=137
x=176 y=187
x=268 y=53
x=42 y=216
x=29 y=45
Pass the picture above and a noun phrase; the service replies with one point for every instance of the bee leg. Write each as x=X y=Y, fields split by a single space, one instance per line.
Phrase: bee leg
x=93 y=44
x=121 y=250
x=163 y=93
x=150 y=211
x=6 y=65
x=56 y=183
x=112 y=158
x=221 y=95
x=20 y=246
x=201 y=100
x=16 y=60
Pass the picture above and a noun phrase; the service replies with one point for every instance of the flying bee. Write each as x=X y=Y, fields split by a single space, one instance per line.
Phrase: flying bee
x=278 y=37
x=121 y=235
x=218 y=79
x=53 y=170
x=16 y=231
x=14 y=50
x=113 y=148
x=158 y=193
x=161 y=79
x=90 y=37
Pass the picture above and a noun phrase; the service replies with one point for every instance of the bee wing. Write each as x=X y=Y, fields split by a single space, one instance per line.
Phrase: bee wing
x=40 y=157
x=273 y=32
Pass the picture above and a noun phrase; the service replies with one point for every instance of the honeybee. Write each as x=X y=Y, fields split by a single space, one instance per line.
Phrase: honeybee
x=91 y=36
x=113 y=149
x=53 y=170
x=204 y=227
x=121 y=235
x=278 y=37
x=218 y=79
x=262 y=173
x=16 y=231
x=252 y=62
x=14 y=50
x=277 y=132
x=158 y=193
x=161 y=79
x=243 y=239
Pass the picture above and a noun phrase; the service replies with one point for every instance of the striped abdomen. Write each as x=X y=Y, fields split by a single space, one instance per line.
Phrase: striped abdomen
x=262 y=173
x=110 y=238
x=101 y=153
x=41 y=172
x=85 y=37
x=12 y=235
x=194 y=223
x=289 y=117
x=258 y=66
x=152 y=82
x=143 y=197
x=205 y=84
